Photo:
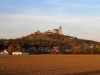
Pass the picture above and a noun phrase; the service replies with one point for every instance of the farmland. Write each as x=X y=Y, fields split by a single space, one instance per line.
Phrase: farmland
x=49 y=64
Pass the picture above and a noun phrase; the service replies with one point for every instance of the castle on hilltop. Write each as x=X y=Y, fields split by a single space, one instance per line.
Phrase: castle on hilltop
x=54 y=31
x=57 y=31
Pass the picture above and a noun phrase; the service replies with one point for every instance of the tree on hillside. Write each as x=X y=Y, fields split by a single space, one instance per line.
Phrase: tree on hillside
x=11 y=48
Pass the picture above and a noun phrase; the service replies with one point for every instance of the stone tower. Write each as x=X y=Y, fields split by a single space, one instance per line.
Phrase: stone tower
x=60 y=30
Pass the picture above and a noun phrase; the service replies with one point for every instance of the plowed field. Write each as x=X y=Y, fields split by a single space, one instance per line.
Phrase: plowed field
x=50 y=64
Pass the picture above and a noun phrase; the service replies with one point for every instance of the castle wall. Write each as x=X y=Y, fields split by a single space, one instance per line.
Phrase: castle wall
x=55 y=31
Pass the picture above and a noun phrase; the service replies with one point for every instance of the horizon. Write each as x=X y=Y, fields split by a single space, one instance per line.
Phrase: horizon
x=22 y=17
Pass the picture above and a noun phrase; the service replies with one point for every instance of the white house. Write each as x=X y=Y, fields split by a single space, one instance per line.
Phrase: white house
x=4 y=52
x=16 y=53
x=20 y=53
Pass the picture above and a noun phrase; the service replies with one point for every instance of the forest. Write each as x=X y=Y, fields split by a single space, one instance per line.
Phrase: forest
x=66 y=44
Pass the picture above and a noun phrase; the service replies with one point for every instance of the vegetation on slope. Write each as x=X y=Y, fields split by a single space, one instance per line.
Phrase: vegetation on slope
x=78 y=46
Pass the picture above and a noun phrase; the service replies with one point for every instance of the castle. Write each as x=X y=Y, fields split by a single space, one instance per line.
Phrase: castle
x=57 y=31
x=54 y=31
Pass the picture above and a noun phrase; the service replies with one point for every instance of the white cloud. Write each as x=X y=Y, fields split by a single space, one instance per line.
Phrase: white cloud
x=20 y=25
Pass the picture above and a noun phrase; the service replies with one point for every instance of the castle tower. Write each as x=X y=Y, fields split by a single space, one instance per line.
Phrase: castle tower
x=60 y=30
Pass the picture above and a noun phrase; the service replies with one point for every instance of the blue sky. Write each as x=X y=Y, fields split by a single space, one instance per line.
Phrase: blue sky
x=80 y=18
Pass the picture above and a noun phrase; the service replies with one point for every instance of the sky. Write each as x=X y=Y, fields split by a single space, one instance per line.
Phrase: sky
x=80 y=18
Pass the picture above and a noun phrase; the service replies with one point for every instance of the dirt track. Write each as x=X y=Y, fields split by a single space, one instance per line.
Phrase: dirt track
x=49 y=64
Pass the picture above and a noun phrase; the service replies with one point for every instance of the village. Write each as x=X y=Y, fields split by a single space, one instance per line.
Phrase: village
x=33 y=50
x=55 y=50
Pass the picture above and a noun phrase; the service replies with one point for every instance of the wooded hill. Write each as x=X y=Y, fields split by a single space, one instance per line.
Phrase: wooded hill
x=64 y=42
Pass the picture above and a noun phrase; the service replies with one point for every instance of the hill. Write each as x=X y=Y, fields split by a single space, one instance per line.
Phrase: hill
x=64 y=43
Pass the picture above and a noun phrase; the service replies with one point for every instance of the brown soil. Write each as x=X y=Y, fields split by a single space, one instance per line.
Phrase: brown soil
x=49 y=64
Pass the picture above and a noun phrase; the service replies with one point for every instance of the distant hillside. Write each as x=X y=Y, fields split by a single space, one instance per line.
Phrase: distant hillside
x=49 y=40
x=56 y=40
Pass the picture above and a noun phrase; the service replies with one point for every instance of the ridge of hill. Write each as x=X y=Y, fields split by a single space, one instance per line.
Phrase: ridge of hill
x=56 y=39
